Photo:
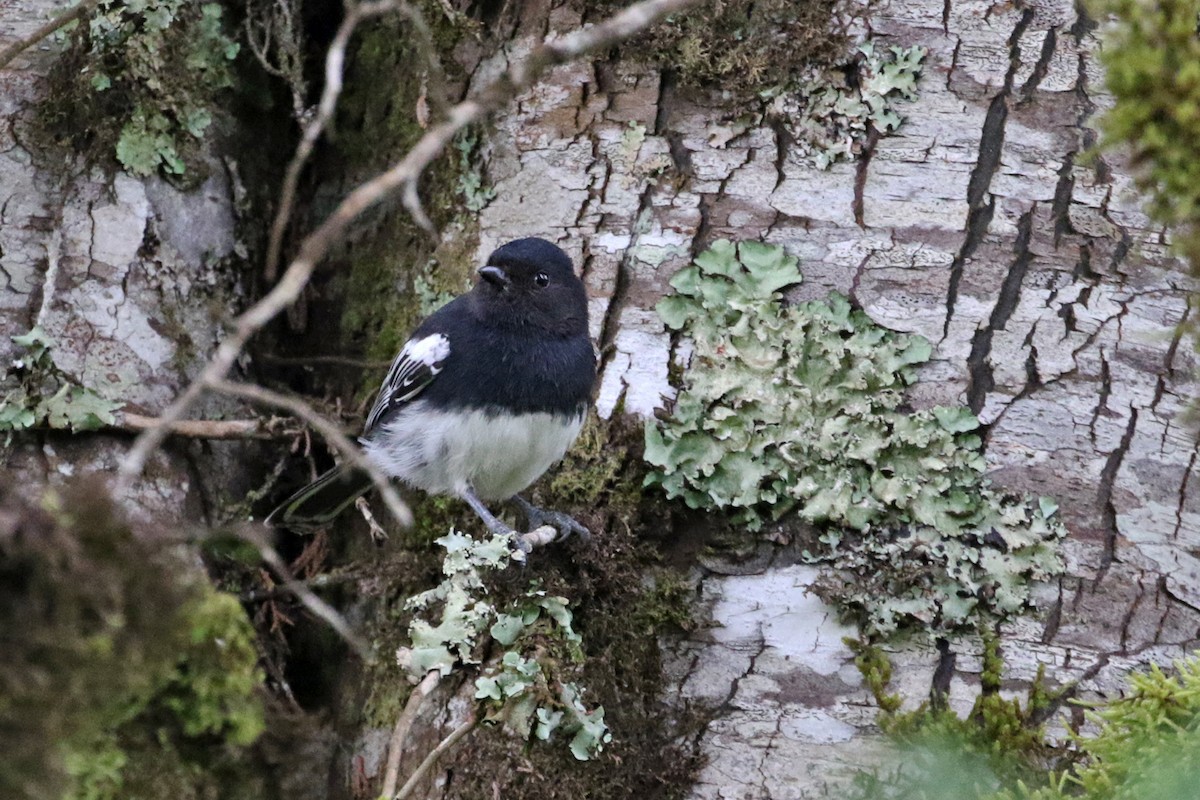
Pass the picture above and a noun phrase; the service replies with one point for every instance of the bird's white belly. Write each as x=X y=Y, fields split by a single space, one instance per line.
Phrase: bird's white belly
x=447 y=452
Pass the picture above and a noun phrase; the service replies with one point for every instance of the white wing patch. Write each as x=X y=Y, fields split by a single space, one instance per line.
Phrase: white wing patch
x=418 y=363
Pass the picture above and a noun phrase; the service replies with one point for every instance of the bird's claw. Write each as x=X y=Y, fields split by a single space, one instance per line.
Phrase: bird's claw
x=565 y=524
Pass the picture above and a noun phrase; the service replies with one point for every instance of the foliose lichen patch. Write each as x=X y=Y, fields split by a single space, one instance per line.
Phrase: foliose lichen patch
x=801 y=408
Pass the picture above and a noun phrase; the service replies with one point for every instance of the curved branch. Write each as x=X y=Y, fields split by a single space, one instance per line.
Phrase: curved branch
x=18 y=47
x=403 y=725
x=434 y=755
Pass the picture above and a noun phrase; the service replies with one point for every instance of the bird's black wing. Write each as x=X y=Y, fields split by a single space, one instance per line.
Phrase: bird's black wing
x=418 y=363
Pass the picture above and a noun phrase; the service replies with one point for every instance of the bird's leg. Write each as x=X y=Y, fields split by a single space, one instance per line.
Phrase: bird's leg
x=563 y=523
x=494 y=526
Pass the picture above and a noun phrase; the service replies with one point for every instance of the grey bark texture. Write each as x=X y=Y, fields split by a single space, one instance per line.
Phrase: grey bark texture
x=1051 y=298
x=130 y=277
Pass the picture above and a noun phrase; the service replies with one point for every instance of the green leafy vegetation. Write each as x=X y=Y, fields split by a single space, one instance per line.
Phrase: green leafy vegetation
x=138 y=80
x=36 y=393
x=1152 y=61
x=519 y=686
x=124 y=675
x=800 y=407
x=1145 y=747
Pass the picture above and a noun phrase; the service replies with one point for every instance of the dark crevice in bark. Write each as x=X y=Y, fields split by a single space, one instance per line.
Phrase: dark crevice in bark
x=1060 y=207
x=1104 y=492
x=1053 y=617
x=939 y=688
x=1083 y=24
x=860 y=175
x=979 y=370
x=782 y=140
x=612 y=314
x=991 y=143
x=978 y=220
x=1183 y=487
x=1130 y=611
x=1041 y=67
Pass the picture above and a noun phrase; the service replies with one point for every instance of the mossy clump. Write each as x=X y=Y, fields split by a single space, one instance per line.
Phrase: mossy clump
x=1000 y=743
x=114 y=665
x=742 y=47
x=397 y=274
x=1145 y=748
x=138 y=81
x=622 y=605
x=800 y=408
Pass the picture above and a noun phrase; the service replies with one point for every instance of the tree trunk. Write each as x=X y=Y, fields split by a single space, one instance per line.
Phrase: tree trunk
x=982 y=224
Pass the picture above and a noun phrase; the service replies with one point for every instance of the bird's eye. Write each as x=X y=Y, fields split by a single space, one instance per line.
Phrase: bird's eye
x=541 y=279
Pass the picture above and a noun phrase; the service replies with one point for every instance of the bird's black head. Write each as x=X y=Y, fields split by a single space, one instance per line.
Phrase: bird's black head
x=531 y=283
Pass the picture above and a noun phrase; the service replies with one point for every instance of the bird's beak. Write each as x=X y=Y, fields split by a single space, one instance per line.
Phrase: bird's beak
x=496 y=276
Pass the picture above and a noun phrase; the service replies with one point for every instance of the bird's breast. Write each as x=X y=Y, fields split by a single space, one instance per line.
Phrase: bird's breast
x=497 y=454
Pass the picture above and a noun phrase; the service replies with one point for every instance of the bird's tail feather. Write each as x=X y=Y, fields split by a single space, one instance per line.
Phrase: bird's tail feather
x=322 y=500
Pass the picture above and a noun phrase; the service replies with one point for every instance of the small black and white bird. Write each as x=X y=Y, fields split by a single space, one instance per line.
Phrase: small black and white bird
x=487 y=395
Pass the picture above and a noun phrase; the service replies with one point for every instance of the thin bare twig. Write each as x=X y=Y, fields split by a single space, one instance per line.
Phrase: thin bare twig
x=403 y=725
x=332 y=434
x=272 y=25
x=316 y=605
x=273 y=428
x=308 y=361
x=378 y=534
x=334 y=68
x=316 y=245
x=20 y=46
x=434 y=754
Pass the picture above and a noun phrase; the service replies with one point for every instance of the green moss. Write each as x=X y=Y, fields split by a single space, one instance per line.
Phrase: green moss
x=1000 y=743
x=743 y=47
x=1145 y=748
x=876 y=669
x=116 y=665
x=1152 y=61
x=396 y=274
x=138 y=81
x=595 y=472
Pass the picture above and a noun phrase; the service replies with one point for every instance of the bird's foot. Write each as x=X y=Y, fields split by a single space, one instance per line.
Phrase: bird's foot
x=522 y=543
x=564 y=524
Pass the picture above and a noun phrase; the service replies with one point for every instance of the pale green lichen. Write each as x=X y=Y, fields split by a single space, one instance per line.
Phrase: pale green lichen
x=831 y=117
x=800 y=407
x=146 y=71
x=520 y=687
x=475 y=193
x=36 y=393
